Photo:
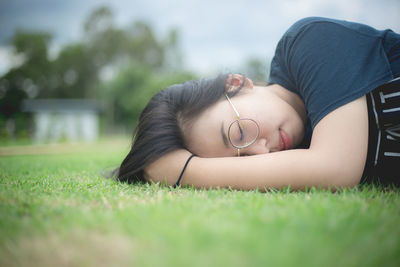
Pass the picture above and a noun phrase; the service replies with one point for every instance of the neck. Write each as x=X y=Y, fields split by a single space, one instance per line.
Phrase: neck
x=291 y=98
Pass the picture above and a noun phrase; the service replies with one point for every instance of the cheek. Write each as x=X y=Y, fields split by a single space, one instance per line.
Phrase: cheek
x=269 y=117
x=296 y=128
x=278 y=116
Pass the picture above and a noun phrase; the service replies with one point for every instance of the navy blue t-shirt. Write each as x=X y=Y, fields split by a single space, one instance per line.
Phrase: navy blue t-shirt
x=329 y=63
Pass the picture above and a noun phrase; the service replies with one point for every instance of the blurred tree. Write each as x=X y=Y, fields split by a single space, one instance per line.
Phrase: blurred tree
x=257 y=70
x=103 y=39
x=12 y=87
x=32 y=74
x=139 y=60
x=132 y=88
x=75 y=73
x=100 y=20
x=143 y=47
x=173 y=56
x=25 y=81
x=122 y=66
x=32 y=45
x=80 y=68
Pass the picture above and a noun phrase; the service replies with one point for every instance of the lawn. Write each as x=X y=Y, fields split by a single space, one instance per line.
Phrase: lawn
x=57 y=210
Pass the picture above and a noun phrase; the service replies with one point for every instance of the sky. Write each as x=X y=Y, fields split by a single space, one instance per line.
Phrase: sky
x=215 y=35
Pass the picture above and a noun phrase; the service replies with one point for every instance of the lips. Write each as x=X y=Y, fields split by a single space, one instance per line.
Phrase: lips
x=284 y=140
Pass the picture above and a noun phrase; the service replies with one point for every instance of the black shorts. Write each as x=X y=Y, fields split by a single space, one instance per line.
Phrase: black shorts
x=383 y=159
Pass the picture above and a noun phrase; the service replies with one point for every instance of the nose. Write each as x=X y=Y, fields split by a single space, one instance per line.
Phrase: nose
x=258 y=147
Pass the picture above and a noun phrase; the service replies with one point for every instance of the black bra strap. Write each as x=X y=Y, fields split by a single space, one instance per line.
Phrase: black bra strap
x=183 y=170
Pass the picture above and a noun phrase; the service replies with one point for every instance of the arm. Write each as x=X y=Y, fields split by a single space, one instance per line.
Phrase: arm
x=336 y=157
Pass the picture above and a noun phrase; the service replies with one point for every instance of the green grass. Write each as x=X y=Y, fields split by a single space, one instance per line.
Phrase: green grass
x=56 y=210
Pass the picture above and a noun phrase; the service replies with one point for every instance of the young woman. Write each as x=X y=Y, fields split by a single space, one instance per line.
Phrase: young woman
x=323 y=120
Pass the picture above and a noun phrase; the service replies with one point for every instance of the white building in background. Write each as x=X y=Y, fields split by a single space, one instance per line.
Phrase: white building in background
x=58 y=119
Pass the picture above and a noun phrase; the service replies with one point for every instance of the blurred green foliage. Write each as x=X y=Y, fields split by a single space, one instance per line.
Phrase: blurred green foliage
x=127 y=94
x=121 y=67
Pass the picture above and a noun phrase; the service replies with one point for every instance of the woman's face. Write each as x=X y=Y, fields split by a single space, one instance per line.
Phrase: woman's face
x=280 y=125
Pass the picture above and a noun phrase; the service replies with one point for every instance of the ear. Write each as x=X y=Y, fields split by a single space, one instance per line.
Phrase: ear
x=236 y=82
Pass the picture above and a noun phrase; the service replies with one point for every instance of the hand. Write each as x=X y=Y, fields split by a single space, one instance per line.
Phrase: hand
x=167 y=168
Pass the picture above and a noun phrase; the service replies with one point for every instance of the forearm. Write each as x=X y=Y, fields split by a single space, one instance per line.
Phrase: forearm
x=295 y=168
x=298 y=169
x=167 y=168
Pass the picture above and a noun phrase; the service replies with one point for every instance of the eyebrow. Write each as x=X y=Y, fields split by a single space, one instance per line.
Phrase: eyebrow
x=224 y=138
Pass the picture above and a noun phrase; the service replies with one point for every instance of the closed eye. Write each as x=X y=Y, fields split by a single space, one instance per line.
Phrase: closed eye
x=241 y=133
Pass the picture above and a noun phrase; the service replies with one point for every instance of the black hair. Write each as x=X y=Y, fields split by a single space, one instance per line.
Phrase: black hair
x=161 y=124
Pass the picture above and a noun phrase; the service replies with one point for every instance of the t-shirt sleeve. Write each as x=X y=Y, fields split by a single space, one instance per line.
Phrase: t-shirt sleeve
x=329 y=65
x=279 y=71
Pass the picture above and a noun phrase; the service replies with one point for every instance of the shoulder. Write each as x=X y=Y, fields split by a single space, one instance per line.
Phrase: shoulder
x=332 y=26
x=305 y=23
x=305 y=32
